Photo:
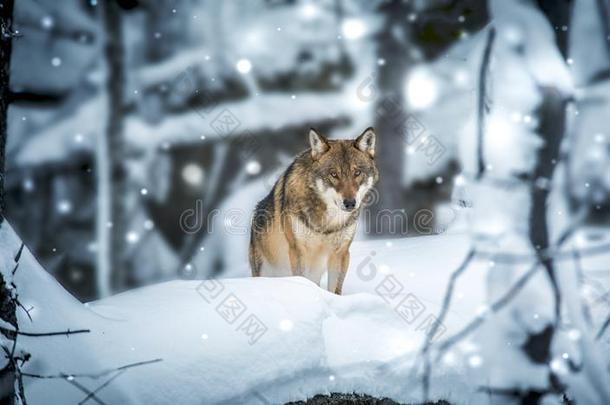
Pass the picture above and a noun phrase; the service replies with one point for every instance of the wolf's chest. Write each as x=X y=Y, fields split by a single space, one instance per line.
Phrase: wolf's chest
x=321 y=242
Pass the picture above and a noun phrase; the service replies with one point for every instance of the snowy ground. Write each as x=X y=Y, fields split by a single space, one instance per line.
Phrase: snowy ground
x=260 y=340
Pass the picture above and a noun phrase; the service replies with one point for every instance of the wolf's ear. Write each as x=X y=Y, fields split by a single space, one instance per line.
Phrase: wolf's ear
x=366 y=141
x=319 y=144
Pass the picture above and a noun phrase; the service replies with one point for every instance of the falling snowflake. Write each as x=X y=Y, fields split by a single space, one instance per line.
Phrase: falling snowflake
x=353 y=28
x=64 y=207
x=132 y=237
x=192 y=174
x=47 y=22
x=243 y=66
x=28 y=184
x=253 y=167
x=286 y=325
x=475 y=361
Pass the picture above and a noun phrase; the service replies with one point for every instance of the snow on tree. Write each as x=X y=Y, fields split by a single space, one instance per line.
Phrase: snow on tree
x=519 y=223
x=587 y=174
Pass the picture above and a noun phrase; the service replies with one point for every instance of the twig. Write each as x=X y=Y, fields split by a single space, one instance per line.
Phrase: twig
x=141 y=363
x=17 y=258
x=502 y=301
x=495 y=307
x=602 y=330
x=552 y=253
x=581 y=279
x=440 y=319
x=20 y=387
x=481 y=100
x=90 y=375
x=101 y=387
x=86 y=391
x=13 y=360
x=36 y=334
x=27 y=312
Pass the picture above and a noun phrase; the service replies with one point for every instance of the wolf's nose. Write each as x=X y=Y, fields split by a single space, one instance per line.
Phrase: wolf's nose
x=349 y=203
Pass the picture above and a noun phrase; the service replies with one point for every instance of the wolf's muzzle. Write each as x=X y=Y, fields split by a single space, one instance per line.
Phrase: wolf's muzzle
x=349 y=204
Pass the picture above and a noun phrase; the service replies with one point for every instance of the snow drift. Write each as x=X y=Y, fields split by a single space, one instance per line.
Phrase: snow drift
x=254 y=340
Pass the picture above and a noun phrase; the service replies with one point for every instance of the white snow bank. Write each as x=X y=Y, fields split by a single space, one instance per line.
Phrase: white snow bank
x=311 y=341
x=258 y=340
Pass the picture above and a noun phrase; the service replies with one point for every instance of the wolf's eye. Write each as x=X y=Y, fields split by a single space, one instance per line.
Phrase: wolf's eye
x=357 y=173
x=333 y=174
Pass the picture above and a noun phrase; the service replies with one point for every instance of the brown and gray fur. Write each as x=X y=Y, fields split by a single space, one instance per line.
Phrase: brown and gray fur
x=305 y=225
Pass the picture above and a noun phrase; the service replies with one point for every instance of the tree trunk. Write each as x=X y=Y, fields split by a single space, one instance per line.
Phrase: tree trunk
x=552 y=116
x=7 y=304
x=551 y=129
x=6 y=37
x=110 y=163
x=390 y=115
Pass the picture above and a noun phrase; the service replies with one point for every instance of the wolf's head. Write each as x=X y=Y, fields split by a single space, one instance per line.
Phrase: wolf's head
x=344 y=170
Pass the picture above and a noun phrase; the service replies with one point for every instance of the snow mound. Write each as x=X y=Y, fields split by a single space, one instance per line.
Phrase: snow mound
x=263 y=340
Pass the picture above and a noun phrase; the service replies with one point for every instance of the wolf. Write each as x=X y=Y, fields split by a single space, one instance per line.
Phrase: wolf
x=306 y=224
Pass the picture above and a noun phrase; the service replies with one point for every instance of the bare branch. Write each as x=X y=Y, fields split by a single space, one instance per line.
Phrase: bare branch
x=101 y=387
x=512 y=292
x=17 y=258
x=90 y=375
x=484 y=69
x=20 y=388
x=549 y=254
x=602 y=330
x=440 y=319
x=553 y=252
x=40 y=334
x=87 y=391
x=495 y=307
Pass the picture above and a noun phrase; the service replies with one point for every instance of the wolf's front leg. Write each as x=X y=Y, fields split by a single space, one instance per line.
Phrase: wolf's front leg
x=338 y=262
x=295 y=256
x=296 y=261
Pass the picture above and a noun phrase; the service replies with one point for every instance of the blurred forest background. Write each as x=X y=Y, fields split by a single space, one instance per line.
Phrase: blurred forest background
x=132 y=121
